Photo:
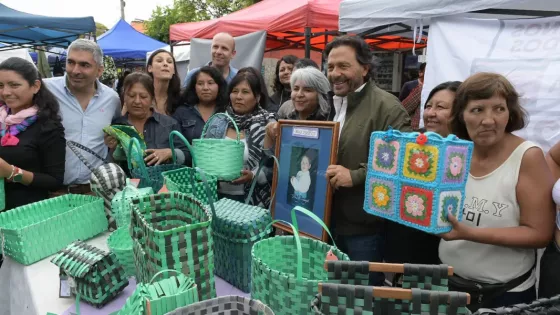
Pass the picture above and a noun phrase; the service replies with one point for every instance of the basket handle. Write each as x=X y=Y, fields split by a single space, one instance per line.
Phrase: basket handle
x=161 y=272
x=216 y=115
x=312 y=216
x=299 y=263
x=74 y=146
x=207 y=188
x=172 y=146
x=141 y=164
x=254 y=183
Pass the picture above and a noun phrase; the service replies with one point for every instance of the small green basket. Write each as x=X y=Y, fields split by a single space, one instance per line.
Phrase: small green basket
x=120 y=205
x=286 y=270
x=173 y=231
x=222 y=158
x=120 y=243
x=186 y=179
x=38 y=230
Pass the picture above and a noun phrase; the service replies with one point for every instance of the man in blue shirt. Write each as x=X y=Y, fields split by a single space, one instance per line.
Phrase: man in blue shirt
x=86 y=106
x=222 y=50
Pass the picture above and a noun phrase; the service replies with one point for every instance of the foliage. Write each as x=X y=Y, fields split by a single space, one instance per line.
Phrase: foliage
x=100 y=29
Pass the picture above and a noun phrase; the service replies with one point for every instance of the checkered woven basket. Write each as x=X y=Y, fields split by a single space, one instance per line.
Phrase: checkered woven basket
x=225 y=305
x=173 y=231
x=98 y=276
x=357 y=299
x=286 y=270
x=417 y=179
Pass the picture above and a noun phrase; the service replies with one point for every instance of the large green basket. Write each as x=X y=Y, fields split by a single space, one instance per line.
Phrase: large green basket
x=120 y=243
x=186 y=179
x=222 y=158
x=174 y=232
x=38 y=230
x=287 y=269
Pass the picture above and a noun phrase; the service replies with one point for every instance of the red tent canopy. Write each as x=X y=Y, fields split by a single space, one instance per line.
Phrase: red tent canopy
x=285 y=22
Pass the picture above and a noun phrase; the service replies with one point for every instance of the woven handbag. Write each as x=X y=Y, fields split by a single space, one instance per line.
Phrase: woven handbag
x=225 y=305
x=35 y=231
x=150 y=176
x=120 y=243
x=357 y=299
x=539 y=307
x=120 y=205
x=161 y=297
x=106 y=180
x=286 y=270
x=173 y=231
x=123 y=134
x=222 y=158
x=97 y=275
x=186 y=179
x=416 y=179
x=427 y=277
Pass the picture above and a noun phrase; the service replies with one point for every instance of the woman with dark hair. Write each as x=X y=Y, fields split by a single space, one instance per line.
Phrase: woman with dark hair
x=138 y=90
x=266 y=101
x=508 y=210
x=245 y=94
x=205 y=95
x=281 y=87
x=437 y=110
x=32 y=147
x=167 y=85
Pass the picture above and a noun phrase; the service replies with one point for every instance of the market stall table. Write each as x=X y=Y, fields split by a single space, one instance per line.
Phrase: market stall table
x=34 y=289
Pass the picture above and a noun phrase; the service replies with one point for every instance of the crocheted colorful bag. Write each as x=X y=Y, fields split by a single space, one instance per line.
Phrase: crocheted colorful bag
x=416 y=179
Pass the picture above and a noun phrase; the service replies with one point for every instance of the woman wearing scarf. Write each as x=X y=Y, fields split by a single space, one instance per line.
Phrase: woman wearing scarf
x=245 y=93
x=32 y=147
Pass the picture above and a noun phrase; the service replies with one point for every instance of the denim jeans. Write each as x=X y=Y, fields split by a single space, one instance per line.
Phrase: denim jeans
x=364 y=248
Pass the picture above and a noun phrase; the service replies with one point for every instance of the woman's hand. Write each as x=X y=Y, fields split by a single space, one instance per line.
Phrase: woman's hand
x=272 y=130
x=460 y=231
x=246 y=177
x=157 y=156
x=110 y=141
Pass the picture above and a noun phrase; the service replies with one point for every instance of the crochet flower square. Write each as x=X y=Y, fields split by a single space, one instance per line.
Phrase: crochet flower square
x=420 y=162
x=455 y=165
x=416 y=205
x=381 y=195
x=385 y=156
x=449 y=202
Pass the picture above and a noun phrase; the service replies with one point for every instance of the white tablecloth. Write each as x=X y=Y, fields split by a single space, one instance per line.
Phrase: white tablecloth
x=34 y=289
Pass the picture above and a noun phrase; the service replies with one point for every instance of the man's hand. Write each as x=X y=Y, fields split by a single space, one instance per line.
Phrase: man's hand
x=339 y=176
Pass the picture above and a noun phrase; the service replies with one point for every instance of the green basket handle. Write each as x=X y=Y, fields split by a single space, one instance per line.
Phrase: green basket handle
x=208 y=191
x=143 y=168
x=312 y=216
x=216 y=115
x=161 y=272
x=254 y=183
x=172 y=146
x=299 y=263
x=124 y=190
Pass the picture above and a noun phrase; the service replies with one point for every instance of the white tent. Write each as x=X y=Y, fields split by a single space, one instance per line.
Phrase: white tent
x=402 y=17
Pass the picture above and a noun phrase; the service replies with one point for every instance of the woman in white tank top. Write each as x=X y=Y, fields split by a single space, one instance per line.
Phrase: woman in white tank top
x=508 y=211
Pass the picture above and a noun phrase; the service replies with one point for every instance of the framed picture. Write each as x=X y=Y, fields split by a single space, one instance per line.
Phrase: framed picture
x=305 y=149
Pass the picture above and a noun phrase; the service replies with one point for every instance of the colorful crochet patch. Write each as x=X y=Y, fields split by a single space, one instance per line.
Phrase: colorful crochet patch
x=416 y=205
x=385 y=156
x=455 y=165
x=420 y=162
x=449 y=202
x=381 y=195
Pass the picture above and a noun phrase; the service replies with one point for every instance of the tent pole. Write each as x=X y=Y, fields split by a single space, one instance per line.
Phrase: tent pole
x=307 y=42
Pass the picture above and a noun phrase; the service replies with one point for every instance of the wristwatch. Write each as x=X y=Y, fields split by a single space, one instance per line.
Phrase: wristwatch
x=17 y=175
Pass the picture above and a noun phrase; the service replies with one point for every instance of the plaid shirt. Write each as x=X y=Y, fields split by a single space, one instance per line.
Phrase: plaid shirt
x=412 y=105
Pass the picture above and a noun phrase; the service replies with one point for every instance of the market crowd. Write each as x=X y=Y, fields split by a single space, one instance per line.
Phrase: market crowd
x=488 y=248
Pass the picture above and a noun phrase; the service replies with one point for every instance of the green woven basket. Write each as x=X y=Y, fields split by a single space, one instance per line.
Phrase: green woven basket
x=123 y=134
x=97 y=274
x=186 y=179
x=222 y=158
x=161 y=297
x=225 y=305
x=287 y=269
x=120 y=243
x=2 y=195
x=150 y=176
x=38 y=230
x=174 y=232
x=120 y=205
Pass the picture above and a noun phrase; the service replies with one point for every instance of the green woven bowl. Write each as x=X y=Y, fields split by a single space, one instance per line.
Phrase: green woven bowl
x=120 y=243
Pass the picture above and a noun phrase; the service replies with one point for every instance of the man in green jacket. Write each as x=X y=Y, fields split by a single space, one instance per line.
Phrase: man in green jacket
x=361 y=108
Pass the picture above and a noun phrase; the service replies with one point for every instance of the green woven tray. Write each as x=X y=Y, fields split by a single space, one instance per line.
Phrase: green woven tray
x=174 y=232
x=286 y=270
x=225 y=305
x=98 y=276
x=38 y=230
x=120 y=205
x=120 y=243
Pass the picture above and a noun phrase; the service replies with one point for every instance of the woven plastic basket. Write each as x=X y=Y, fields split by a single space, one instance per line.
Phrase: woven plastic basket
x=120 y=205
x=97 y=274
x=222 y=158
x=38 y=230
x=225 y=305
x=2 y=195
x=120 y=243
x=150 y=176
x=123 y=134
x=174 y=232
x=286 y=270
x=186 y=179
x=357 y=299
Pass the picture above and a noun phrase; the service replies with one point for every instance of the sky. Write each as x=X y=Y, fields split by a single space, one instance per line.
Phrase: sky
x=106 y=12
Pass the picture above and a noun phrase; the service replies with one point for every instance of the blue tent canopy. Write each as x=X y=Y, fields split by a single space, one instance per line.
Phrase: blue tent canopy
x=122 y=41
x=19 y=28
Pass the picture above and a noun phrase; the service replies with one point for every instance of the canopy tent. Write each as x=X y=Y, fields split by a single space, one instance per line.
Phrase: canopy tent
x=289 y=24
x=123 y=42
x=19 y=29
x=407 y=18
